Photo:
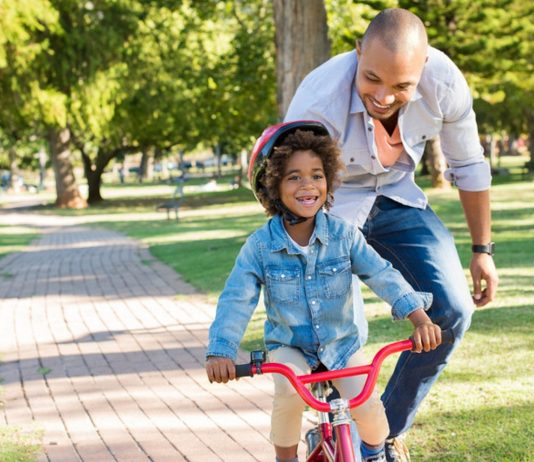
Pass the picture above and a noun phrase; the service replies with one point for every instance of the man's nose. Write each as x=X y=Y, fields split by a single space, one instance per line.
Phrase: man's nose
x=384 y=96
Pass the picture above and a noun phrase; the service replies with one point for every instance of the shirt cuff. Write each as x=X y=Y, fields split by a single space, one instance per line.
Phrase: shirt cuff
x=410 y=302
x=222 y=349
x=473 y=177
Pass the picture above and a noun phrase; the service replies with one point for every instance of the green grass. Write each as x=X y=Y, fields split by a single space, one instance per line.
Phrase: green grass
x=14 y=239
x=16 y=446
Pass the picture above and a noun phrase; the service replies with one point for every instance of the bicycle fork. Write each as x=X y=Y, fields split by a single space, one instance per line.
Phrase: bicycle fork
x=322 y=447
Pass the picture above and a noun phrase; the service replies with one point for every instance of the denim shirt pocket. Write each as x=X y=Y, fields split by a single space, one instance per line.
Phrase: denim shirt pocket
x=283 y=284
x=335 y=277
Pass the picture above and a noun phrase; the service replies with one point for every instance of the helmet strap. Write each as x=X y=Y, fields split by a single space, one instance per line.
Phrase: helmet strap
x=287 y=214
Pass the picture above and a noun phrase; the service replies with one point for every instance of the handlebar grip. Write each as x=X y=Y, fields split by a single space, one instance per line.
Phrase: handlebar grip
x=447 y=336
x=243 y=370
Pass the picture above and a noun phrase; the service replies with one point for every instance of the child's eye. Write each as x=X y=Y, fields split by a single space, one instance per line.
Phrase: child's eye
x=293 y=178
x=318 y=177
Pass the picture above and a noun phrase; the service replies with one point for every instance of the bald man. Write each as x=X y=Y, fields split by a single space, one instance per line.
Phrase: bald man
x=382 y=103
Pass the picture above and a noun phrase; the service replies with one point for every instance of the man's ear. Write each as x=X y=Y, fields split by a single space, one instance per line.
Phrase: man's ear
x=358 y=47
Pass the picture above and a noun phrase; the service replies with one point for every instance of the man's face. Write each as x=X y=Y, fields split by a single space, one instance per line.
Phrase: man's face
x=386 y=80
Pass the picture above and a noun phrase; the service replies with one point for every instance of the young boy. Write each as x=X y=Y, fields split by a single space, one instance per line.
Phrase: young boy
x=304 y=258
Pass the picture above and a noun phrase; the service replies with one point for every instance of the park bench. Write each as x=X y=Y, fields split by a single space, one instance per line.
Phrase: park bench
x=174 y=203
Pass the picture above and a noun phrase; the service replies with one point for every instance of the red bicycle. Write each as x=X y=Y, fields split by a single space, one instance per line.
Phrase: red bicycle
x=331 y=440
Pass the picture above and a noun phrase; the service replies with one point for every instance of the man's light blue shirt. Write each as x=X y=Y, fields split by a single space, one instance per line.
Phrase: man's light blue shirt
x=441 y=105
x=307 y=297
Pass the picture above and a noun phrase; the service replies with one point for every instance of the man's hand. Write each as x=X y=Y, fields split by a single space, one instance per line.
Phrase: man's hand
x=483 y=269
x=219 y=369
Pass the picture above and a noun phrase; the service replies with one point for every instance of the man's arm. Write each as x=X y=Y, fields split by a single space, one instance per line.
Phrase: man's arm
x=476 y=205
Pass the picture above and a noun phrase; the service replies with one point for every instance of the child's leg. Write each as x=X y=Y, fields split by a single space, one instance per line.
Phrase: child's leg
x=286 y=418
x=370 y=417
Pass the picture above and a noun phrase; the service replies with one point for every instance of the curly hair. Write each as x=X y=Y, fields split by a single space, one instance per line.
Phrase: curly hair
x=300 y=140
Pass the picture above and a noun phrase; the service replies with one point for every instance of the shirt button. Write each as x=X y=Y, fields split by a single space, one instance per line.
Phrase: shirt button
x=352 y=159
x=370 y=129
x=317 y=326
x=321 y=349
x=313 y=302
x=373 y=157
x=334 y=269
x=424 y=137
x=308 y=277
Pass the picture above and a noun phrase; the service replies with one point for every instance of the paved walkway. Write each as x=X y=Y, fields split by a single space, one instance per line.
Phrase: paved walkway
x=102 y=356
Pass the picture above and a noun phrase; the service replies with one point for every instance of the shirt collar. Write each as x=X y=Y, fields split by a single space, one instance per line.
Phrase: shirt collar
x=280 y=239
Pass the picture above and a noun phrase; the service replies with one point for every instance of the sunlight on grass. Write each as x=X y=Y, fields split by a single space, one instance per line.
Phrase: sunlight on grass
x=15 y=238
x=16 y=446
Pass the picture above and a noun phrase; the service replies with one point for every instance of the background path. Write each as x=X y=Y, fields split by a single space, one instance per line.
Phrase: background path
x=100 y=354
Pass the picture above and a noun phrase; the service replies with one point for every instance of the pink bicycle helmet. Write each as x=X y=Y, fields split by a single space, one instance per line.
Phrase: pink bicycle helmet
x=270 y=138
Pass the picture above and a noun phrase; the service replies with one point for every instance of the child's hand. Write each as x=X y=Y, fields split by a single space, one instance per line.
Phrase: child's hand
x=426 y=335
x=220 y=369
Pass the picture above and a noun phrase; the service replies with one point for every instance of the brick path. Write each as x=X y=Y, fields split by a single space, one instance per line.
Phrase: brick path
x=101 y=355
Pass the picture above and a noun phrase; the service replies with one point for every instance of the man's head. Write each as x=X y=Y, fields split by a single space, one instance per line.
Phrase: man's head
x=391 y=57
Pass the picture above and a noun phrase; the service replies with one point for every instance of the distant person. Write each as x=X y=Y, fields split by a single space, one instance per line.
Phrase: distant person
x=382 y=103
x=303 y=258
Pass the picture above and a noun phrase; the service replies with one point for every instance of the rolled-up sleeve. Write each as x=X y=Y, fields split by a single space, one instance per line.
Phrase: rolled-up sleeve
x=409 y=302
x=467 y=167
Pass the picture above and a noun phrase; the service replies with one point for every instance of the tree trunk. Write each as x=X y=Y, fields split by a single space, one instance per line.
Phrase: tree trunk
x=67 y=192
x=436 y=163
x=301 y=44
x=530 y=163
x=14 y=184
x=146 y=167
x=94 y=179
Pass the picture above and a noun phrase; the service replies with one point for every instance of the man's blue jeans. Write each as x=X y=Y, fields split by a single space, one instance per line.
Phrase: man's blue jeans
x=417 y=244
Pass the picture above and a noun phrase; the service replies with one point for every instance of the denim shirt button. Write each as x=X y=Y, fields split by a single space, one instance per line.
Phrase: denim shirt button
x=308 y=277
x=313 y=302
x=317 y=326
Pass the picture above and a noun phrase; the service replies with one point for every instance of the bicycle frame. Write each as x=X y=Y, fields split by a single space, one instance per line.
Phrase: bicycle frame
x=342 y=449
x=327 y=450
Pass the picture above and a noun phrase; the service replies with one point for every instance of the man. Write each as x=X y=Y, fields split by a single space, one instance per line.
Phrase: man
x=382 y=103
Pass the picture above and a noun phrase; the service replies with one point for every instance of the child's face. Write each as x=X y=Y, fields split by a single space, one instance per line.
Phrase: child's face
x=303 y=188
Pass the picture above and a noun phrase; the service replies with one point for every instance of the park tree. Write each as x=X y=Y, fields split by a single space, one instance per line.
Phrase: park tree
x=20 y=42
x=302 y=44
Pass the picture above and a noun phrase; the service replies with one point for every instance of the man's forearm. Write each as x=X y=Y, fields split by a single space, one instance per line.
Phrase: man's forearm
x=477 y=211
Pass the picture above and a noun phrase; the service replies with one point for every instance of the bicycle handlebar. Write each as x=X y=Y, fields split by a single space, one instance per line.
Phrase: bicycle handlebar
x=299 y=382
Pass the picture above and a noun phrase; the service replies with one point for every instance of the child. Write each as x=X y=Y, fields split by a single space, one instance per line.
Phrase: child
x=304 y=258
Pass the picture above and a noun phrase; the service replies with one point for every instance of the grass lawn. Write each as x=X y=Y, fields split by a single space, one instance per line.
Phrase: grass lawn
x=14 y=238
x=481 y=409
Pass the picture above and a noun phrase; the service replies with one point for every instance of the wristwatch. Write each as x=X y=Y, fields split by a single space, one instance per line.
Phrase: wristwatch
x=487 y=248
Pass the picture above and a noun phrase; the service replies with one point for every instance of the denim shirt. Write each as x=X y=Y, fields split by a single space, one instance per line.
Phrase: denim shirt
x=441 y=105
x=308 y=298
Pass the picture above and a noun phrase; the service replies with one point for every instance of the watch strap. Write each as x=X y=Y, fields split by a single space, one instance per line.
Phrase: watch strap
x=486 y=248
